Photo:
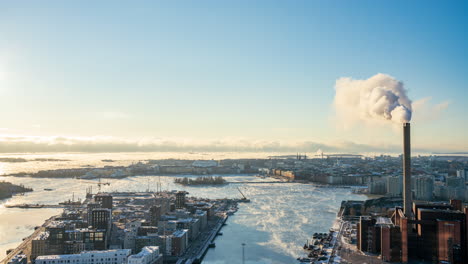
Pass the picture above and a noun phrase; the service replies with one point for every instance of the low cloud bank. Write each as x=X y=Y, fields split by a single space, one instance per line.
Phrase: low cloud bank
x=24 y=144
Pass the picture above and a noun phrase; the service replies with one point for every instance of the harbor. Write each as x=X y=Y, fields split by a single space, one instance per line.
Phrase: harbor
x=189 y=242
x=268 y=225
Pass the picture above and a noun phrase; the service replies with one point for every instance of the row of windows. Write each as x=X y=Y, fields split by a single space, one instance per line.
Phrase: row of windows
x=75 y=261
x=106 y=261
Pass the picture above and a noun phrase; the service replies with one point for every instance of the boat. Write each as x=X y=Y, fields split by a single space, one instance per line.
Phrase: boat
x=48 y=189
x=304 y=260
x=70 y=203
x=25 y=206
x=220 y=233
x=212 y=245
x=243 y=199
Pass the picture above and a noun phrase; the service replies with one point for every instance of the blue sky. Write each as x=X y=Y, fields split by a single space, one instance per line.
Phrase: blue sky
x=247 y=71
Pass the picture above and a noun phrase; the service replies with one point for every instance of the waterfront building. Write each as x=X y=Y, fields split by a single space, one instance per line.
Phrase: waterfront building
x=424 y=188
x=118 y=256
x=440 y=233
x=370 y=232
x=366 y=234
x=148 y=255
x=179 y=242
x=202 y=216
x=67 y=238
x=205 y=163
x=38 y=245
x=394 y=186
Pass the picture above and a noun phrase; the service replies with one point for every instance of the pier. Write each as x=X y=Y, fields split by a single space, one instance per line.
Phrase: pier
x=35 y=206
x=264 y=182
x=196 y=256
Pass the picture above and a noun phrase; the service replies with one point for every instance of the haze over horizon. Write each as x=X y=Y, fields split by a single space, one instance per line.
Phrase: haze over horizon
x=209 y=76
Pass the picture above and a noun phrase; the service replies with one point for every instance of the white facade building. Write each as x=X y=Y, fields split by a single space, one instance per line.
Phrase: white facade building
x=148 y=255
x=118 y=256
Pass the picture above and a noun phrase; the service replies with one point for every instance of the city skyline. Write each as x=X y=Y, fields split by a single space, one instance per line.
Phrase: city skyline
x=225 y=77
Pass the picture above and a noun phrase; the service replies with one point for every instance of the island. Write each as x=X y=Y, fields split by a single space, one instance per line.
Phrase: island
x=8 y=189
x=204 y=180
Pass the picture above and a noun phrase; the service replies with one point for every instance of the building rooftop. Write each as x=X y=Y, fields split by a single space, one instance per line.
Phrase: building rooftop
x=148 y=250
x=42 y=236
x=179 y=233
x=383 y=221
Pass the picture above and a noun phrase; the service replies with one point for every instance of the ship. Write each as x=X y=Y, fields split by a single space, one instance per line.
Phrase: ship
x=243 y=199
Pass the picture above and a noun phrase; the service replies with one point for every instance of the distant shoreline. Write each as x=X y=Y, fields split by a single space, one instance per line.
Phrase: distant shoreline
x=7 y=190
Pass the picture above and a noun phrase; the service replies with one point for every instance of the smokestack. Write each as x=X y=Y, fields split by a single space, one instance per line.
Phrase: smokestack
x=407 y=195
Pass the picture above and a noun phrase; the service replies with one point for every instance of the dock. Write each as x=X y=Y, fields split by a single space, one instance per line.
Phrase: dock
x=206 y=245
x=264 y=182
x=35 y=206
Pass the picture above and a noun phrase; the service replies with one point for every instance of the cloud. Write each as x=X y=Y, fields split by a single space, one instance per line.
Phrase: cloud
x=24 y=144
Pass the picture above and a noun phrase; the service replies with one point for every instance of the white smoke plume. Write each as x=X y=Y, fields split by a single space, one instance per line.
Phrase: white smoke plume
x=381 y=97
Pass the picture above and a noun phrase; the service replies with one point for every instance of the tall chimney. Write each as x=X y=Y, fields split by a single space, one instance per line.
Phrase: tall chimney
x=407 y=195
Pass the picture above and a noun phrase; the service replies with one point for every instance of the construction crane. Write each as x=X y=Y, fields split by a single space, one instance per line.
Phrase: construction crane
x=101 y=183
x=243 y=199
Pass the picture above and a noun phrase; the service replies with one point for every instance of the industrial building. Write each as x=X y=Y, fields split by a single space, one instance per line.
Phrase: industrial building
x=421 y=231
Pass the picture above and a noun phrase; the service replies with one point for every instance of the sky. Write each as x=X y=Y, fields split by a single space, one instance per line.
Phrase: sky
x=226 y=75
